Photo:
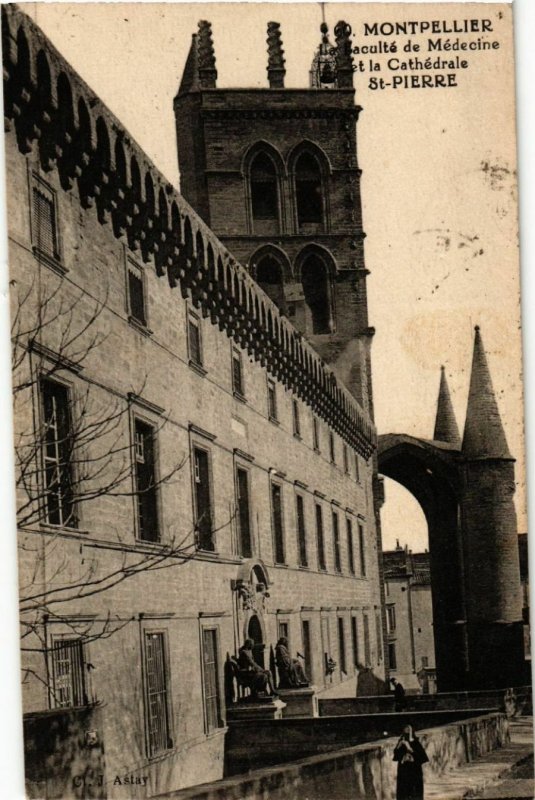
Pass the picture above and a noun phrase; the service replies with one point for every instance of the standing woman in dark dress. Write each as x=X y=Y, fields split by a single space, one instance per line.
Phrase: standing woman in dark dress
x=410 y=756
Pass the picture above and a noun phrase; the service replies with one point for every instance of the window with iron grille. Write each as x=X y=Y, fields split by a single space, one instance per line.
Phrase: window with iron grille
x=342 y=644
x=336 y=541
x=301 y=530
x=145 y=475
x=68 y=673
x=320 y=538
x=392 y=655
x=244 y=513
x=45 y=237
x=203 y=499
x=194 y=339
x=315 y=434
x=354 y=640
x=350 y=550
x=212 y=689
x=157 y=694
x=272 y=400
x=237 y=373
x=278 y=524
x=58 y=444
x=136 y=294
x=362 y=551
x=295 y=416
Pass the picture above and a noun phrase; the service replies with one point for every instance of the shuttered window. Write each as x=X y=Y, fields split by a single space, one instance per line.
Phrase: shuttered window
x=342 y=644
x=158 y=722
x=354 y=640
x=136 y=294
x=350 y=549
x=212 y=695
x=194 y=340
x=336 y=542
x=44 y=221
x=244 y=513
x=147 y=498
x=278 y=526
x=320 y=538
x=367 y=654
x=301 y=531
x=362 y=551
x=203 y=499
x=237 y=373
x=58 y=445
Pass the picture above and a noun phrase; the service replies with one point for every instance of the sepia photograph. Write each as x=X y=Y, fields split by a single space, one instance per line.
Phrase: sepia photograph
x=268 y=403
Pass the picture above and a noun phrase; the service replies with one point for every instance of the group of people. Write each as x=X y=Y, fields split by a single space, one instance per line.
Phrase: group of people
x=291 y=672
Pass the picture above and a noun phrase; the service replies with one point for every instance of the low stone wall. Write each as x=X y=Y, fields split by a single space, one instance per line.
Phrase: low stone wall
x=364 y=772
x=64 y=753
x=512 y=701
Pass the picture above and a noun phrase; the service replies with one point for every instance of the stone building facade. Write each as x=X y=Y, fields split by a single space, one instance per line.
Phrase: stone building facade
x=409 y=619
x=193 y=468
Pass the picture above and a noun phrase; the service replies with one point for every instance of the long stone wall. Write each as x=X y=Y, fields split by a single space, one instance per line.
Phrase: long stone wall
x=364 y=772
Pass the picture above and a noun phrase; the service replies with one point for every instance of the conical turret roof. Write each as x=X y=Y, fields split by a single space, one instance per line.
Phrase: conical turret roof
x=484 y=436
x=190 y=76
x=446 y=429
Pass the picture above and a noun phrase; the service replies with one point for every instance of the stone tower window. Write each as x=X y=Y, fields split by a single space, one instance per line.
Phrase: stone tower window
x=308 y=192
x=264 y=192
x=269 y=277
x=316 y=291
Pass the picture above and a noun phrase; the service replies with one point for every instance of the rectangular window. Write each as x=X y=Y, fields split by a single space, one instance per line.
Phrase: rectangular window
x=326 y=645
x=307 y=648
x=354 y=641
x=58 y=444
x=203 y=500
x=357 y=467
x=272 y=400
x=244 y=513
x=336 y=540
x=212 y=691
x=390 y=619
x=68 y=673
x=332 y=453
x=136 y=294
x=295 y=416
x=319 y=538
x=392 y=655
x=425 y=661
x=194 y=339
x=146 y=491
x=301 y=530
x=284 y=630
x=342 y=645
x=237 y=373
x=379 y=636
x=345 y=459
x=350 y=550
x=366 y=627
x=316 y=434
x=45 y=236
x=277 y=519
x=157 y=694
x=362 y=551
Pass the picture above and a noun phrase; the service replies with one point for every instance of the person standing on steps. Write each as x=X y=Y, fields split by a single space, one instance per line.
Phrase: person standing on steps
x=410 y=755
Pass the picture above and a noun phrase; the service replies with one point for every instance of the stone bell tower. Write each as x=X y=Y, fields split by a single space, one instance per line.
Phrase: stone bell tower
x=274 y=172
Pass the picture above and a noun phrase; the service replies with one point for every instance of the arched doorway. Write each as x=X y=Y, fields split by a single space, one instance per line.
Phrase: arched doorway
x=254 y=632
x=431 y=474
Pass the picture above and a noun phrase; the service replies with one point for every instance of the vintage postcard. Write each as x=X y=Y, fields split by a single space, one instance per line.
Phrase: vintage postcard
x=268 y=400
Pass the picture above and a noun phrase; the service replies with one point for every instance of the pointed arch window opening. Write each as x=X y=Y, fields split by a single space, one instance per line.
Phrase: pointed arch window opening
x=308 y=191
x=264 y=190
x=318 y=295
x=269 y=276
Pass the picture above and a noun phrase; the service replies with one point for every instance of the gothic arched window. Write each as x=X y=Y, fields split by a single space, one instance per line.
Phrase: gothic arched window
x=316 y=290
x=270 y=278
x=308 y=190
x=264 y=189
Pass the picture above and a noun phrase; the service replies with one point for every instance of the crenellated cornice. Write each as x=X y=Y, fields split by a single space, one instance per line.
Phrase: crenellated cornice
x=53 y=113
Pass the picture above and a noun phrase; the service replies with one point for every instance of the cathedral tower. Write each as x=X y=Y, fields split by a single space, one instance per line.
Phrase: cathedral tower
x=274 y=172
x=492 y=576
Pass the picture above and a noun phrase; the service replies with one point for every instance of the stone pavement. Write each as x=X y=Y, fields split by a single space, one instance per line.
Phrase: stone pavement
x=504 y=773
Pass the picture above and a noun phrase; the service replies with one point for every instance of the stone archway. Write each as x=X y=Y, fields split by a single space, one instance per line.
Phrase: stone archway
x=430 y=471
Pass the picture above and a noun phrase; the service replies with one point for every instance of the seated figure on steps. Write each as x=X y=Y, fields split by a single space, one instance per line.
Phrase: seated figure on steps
x=291 y=673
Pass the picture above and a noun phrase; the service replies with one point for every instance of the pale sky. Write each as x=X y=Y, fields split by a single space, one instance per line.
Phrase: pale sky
x=438 y=185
